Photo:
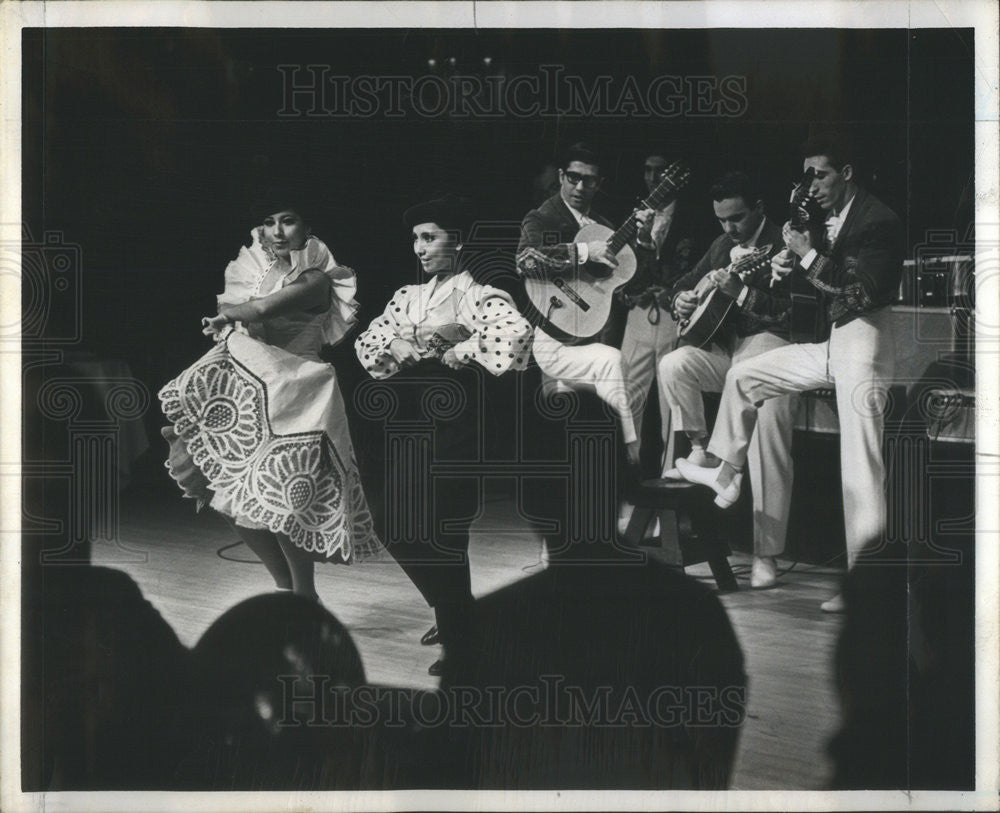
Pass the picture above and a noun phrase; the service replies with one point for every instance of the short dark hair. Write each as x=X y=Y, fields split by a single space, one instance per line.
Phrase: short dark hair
x=283 y=196
x=266 y=207
x=835 y=146
x=737 y=185
x=582 y=152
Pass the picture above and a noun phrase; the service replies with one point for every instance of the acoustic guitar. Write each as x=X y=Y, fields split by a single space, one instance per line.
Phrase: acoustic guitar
x=578 y=303
x=805 y=215
x=715 y=305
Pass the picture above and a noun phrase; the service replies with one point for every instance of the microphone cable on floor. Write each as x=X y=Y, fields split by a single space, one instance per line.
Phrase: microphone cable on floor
x=221 y=551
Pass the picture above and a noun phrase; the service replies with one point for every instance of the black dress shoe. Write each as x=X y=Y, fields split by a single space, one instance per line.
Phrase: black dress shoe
x=436 y=669
x=431 y=637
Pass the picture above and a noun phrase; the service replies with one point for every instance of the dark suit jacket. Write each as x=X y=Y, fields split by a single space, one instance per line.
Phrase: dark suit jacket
x=551 y=228
x=861 y=271
x=765 y=307
x=677 y=257
x=547 y=241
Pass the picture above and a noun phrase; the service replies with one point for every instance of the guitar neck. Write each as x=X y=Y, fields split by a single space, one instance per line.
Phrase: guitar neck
x=664 y=191
x=628 y=229
x=624 y=233
x=752 y=263
x=802 y=200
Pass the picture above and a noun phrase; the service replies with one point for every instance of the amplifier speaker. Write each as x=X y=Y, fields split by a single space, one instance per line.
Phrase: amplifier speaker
x=923 y=338
x=936 y=281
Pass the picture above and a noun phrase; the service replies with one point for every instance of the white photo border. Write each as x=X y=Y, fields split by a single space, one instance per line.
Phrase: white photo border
x=981 y=15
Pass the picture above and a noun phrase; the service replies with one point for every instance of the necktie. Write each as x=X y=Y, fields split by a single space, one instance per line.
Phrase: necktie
x=659 y=230
x=661 y=225
x=833 y=225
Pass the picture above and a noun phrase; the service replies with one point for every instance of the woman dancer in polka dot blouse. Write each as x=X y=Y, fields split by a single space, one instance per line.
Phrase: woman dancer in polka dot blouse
x=441 y=335
x=451 y=318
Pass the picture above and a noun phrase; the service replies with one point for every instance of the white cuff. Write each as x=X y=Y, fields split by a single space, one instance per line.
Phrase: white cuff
x=743 y=296
x=582 y=253
x=808 y=260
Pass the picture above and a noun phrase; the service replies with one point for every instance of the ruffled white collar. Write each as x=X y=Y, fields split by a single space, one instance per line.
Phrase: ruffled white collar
x=296 y=258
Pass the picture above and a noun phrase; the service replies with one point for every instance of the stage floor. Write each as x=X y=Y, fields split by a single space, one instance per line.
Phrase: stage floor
x=793 y=710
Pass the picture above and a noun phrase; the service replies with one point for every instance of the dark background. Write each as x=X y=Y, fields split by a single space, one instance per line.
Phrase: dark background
x=151 y=149
x=147 y=147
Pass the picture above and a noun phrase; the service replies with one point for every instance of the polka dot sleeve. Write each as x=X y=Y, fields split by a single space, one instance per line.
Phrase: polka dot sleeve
x=372 y=346
x=501 y=338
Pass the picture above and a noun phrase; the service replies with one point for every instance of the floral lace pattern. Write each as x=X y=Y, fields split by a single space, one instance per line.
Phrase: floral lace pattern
x=295 y=484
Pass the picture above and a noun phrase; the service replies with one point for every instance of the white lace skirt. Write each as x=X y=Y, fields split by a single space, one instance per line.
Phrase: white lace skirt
x=261 y=435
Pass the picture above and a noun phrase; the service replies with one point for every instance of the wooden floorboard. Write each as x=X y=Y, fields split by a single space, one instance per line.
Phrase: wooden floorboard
x=788 y=643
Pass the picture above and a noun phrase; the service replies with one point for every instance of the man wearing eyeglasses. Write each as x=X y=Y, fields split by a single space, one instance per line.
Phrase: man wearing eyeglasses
x=548 y=240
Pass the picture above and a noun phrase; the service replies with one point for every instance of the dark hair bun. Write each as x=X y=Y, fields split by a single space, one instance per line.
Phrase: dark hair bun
x=277 y=198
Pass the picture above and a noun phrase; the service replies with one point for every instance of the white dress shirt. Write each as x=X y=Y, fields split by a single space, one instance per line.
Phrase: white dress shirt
x=582 y=252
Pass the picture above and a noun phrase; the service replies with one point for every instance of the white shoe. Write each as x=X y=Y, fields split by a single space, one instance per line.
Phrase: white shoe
x=763 y=573
x=834 y=605
x=697 y=456
x=624 y=518
x=651 y=533
x=725 y=496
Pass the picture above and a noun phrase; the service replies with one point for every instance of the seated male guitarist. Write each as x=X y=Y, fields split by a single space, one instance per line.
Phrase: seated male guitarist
x=855 y=268
x=758 y=322
x=547 y=249
x=650 y=333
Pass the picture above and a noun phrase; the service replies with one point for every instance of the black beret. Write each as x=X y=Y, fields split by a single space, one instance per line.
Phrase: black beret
x=450 y=212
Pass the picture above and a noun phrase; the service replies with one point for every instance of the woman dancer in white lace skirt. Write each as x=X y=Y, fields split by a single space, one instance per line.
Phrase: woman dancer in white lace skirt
x=258 y=428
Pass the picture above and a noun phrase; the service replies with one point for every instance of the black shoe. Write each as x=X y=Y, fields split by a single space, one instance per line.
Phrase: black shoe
x=436 y=669
x=431 y=637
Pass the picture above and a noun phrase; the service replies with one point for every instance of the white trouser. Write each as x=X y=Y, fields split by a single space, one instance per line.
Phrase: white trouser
x=858 y=361
x=591 y=366
x=688 y=372
x=643 y=345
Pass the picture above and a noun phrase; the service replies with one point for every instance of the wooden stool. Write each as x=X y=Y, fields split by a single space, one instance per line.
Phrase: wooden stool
x=688 y=528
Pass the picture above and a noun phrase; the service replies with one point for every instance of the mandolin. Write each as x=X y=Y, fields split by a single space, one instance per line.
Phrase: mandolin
x=714 y=305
